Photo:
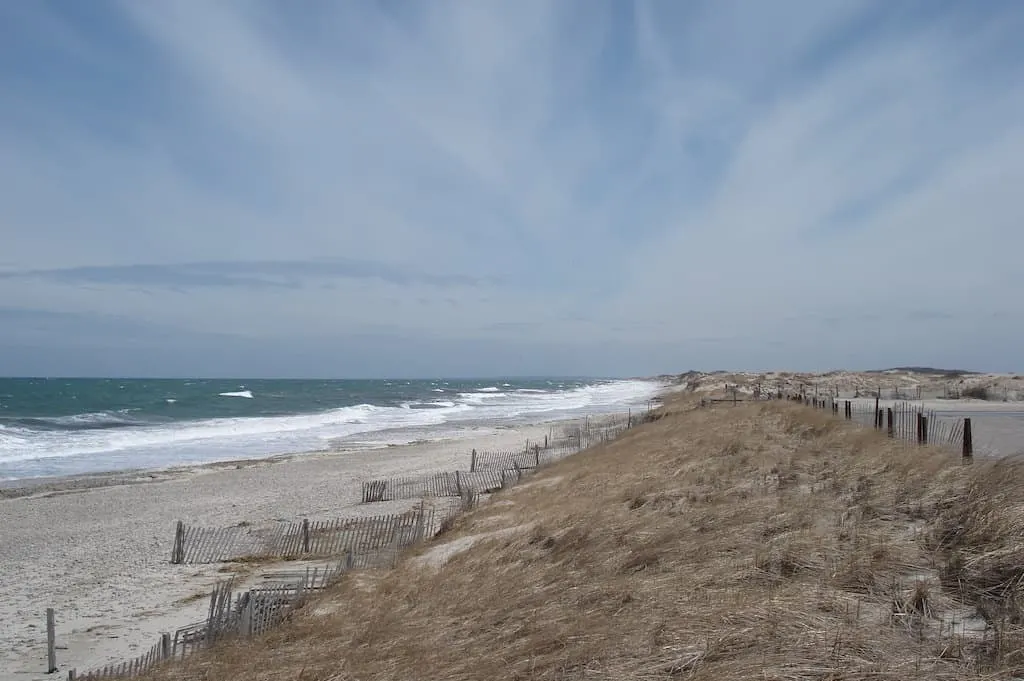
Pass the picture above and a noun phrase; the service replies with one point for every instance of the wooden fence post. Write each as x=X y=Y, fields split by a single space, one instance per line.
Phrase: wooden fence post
x=305 y=535
x=472 y=461
x=178 y=552
x=919 y=417
x=888 y=414
x=458 y=483
x=536 y=456
x=924 y=429
x=51 y=642
x=968 y=440
x=878 y=421
x=545 y=442
x=165 y=646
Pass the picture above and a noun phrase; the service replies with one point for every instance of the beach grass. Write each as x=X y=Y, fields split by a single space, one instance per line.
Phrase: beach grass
x=761 y=541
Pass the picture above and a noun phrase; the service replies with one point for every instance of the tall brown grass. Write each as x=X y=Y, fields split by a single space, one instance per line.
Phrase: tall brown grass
x=766 y=541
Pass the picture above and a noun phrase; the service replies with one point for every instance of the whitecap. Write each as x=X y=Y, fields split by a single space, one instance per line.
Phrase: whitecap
x=24 y=453
x=240 y=393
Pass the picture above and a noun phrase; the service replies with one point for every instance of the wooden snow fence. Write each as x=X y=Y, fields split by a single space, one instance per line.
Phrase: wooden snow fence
x=909 y=422
x=132 y=668
x=325 y=538
x=435 y=485
x=244 y=613
x=393 y=489
x=502 y=461
x=557 y=451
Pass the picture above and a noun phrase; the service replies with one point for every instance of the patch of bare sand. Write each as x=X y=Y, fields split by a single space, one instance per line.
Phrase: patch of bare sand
x=439 y=554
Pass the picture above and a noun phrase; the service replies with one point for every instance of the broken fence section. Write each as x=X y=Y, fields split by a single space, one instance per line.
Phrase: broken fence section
x=197 y=545
x=374 y=542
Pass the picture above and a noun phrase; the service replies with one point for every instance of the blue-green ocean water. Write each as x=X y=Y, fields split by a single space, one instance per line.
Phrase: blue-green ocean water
x=74 y=426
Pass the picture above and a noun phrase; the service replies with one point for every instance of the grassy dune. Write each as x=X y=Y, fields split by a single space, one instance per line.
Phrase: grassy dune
x=766 y=541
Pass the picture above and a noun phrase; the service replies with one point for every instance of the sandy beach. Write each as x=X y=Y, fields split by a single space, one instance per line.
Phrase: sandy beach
x=96 y=549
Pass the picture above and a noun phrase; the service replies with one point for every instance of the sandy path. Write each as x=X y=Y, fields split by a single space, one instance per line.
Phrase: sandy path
x=100 y=556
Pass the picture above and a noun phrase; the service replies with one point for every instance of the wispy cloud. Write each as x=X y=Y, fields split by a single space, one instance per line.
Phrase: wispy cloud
x=691 y=177
x=253 y=275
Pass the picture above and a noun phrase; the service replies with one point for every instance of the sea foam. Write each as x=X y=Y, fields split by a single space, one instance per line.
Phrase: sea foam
x=115 y=442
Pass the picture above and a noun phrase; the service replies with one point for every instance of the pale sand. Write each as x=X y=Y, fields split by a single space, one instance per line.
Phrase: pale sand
x=99 y=554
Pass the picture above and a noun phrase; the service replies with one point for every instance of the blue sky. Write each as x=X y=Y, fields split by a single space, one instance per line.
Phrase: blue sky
x=525 y=187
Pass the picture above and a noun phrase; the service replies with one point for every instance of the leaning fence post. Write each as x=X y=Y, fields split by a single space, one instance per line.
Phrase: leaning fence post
x=51 y=642
x=420 y=526
x=178 y=552
x=305 y=535
x=968 y=440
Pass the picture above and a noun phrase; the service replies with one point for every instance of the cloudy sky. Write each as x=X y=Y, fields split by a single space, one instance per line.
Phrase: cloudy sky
x=409 y=188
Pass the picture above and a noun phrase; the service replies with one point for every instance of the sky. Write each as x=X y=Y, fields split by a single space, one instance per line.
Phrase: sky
x=521 y=187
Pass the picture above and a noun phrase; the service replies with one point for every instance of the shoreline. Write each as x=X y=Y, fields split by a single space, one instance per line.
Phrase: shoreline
x=96 y=547
x=126 y=434
x=18 y=488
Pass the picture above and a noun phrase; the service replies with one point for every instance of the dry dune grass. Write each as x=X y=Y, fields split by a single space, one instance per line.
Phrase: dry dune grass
x=760 y=541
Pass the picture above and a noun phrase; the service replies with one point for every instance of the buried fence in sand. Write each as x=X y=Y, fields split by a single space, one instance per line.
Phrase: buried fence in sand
x=490 y=471
x=364 y=542
x=196 y=545
x=373 y=543
x=436 y=485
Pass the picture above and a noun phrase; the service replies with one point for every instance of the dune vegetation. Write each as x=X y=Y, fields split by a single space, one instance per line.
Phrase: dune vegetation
x=759 y=541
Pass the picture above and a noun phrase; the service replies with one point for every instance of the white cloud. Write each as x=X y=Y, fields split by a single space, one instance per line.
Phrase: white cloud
x=654 y=173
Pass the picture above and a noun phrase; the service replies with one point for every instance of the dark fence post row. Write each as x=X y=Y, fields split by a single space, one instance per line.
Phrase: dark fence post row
x=886 y=419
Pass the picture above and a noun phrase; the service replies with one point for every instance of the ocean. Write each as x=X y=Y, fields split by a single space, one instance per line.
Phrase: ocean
x=56 y=426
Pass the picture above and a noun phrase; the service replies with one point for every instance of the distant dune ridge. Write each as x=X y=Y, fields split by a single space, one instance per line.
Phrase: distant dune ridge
x=919 y=382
